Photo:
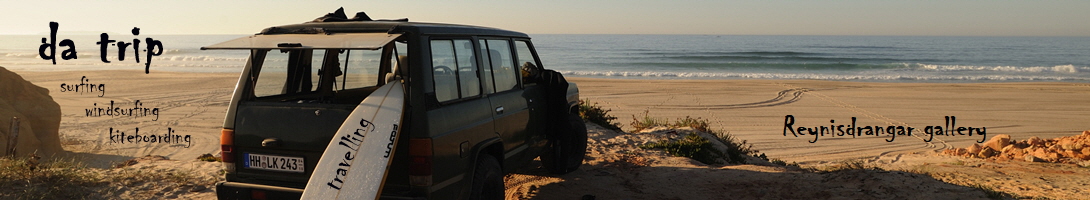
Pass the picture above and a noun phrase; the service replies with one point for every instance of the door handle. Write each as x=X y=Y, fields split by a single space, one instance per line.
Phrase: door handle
x=271 y=142
x=499 y=110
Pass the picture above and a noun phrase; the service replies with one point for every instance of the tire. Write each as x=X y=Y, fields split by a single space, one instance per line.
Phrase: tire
x=487 y=179
x=566 y=151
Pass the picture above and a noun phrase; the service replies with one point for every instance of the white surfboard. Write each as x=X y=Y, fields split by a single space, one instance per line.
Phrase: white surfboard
x=355 y=162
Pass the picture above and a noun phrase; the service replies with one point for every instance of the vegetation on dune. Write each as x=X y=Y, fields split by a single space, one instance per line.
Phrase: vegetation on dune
x=593 y=113
x=646 y=121
x=27 y=178
x=694 y=146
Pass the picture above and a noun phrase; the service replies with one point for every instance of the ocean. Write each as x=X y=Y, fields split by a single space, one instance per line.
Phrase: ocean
x=847 y=58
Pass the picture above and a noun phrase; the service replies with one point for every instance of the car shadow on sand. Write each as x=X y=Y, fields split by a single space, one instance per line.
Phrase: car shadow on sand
x=614 y=180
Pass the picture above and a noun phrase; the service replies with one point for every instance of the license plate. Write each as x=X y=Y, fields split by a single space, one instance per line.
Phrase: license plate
x=271 y=162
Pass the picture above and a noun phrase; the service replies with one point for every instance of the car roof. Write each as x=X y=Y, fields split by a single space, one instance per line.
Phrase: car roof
x=390 y=26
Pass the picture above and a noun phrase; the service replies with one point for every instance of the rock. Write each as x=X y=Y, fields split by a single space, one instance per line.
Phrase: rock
x=1081 y=156
x=1066 y=144
x=1069 y=154
x=960 y=152
x=1040 y=153
x=1086 y=133
x=1085 y=163
x=955 y=152
x=1035 y=141
x=1054 y=148
x=1051 y=157
x=998 y=141
x=1008 y=149
x=39 y=117
x=1086 y=151
x=987 y=152
x=1013 y=151
x=1031 y=158
x=973 y=149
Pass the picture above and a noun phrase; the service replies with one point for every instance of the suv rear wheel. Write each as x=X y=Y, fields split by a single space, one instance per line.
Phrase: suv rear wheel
x=487 y=179
x=566 y=151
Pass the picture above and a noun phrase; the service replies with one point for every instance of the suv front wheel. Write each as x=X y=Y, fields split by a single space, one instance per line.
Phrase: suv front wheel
x=567 y=150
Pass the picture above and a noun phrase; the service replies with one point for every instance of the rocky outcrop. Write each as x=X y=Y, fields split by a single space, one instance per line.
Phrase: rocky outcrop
x=39 y=117
x=1068 y=149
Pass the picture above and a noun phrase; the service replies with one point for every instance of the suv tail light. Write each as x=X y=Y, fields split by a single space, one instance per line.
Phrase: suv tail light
x=420 y=162
x=258 y=195
x=227 y=149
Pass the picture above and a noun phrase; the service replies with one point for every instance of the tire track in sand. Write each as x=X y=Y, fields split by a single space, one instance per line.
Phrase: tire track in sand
x=191 y=105
x=795 y=93
x=871 y=115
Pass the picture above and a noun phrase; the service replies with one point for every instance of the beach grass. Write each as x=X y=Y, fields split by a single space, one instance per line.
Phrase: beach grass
x=28 y=178
x=646 y=121
x=593 y=113
x=693 y=145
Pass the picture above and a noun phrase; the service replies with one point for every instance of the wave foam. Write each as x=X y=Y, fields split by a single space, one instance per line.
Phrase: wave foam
x=1038 y=69
x=203 y=58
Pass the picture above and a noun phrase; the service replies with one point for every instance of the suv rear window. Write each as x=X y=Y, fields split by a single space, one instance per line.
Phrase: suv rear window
x=290 y=72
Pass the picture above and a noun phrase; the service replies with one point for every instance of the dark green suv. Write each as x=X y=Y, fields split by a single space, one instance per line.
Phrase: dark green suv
x=478 y=105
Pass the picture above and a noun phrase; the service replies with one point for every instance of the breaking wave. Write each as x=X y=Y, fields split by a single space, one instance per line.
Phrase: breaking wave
x=1039 y=69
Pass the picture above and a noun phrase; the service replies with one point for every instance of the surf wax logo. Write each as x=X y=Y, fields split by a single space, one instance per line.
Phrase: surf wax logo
x=352 y=142
x=390 y=146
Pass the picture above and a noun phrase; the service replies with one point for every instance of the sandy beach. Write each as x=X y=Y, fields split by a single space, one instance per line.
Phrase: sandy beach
x=192 y=105
x=189 y=104
x=755 y=110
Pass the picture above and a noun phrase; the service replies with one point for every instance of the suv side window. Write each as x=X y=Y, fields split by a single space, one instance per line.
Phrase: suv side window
x=453 y=70
x=525 y=60
x=499 y=58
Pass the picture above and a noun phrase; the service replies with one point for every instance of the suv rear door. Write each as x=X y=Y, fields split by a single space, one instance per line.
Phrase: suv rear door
x=288 y=118
x=460 y=116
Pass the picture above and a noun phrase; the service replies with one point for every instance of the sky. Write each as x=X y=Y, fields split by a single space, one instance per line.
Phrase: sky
x=706 y=17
